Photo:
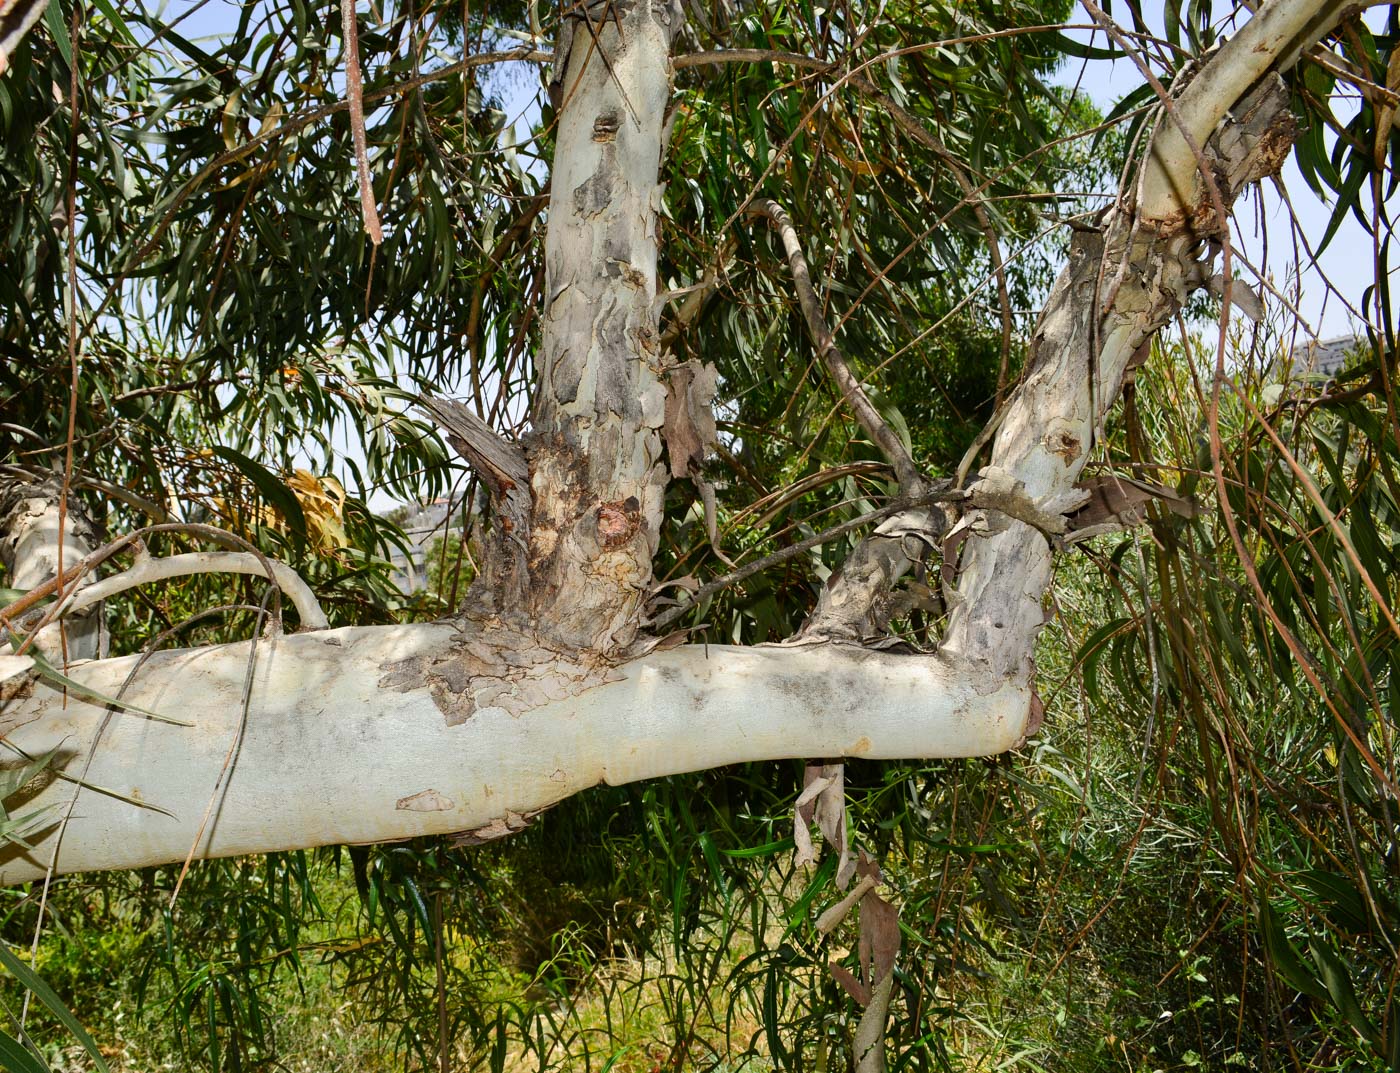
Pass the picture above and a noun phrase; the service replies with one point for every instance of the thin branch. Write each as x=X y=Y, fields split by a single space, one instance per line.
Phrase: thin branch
x=898 y=456
x=206 y=562
x=911 y=126
x=102 y=554
x=355 y=97
x=792 y=551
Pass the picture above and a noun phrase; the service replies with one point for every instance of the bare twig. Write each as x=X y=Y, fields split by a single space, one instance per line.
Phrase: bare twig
x=910 y=480
x=354 y=95
x=792 y=551
x=102 y=554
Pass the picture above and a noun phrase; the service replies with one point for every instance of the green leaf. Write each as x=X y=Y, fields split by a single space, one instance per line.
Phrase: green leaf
x=1286 y=958
x=1336 y=974
x=276 y=493
x=118 y=23
x=44 y=993
x=54 y=676
x=53 y=18
x=16 y=1058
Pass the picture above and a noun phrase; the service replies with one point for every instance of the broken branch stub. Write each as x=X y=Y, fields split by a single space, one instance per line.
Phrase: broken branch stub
x=502 y=468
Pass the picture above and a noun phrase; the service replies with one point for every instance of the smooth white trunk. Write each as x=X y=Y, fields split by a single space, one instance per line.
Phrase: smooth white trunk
x=336 y=749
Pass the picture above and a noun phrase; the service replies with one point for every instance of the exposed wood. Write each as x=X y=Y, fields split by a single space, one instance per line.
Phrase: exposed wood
x=501 y=466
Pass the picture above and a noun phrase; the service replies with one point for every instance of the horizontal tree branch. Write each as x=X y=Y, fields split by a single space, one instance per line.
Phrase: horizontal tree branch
x=348 y=740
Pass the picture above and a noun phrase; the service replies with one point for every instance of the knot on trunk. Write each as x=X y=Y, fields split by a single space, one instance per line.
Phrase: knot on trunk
x=618 y=521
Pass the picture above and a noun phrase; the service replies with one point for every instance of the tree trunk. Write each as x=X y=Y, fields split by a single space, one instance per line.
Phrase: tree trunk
x=595 y=448
x=377 y=734
x=30 y=522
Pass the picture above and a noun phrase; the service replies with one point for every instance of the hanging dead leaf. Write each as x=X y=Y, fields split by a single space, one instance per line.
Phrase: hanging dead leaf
x=851 y=985
x=823 y=800
x=1116 y=501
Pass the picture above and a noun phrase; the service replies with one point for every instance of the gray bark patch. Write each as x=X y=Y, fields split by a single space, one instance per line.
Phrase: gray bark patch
x=595 y=193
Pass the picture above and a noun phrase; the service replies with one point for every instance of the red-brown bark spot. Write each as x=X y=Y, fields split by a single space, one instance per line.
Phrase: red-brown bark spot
x=1065 y=445
x=618 y=521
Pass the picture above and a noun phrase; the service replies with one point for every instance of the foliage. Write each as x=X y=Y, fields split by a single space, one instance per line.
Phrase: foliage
x=1193 y=866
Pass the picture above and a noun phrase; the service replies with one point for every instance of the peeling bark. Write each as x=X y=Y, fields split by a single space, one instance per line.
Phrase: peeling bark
x=502 y=468
x=599 y=403
x=1140 y=271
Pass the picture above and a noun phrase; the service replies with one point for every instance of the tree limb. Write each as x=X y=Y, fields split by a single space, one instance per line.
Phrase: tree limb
x=148 y=569
x=374 y=734
x=1269 y=40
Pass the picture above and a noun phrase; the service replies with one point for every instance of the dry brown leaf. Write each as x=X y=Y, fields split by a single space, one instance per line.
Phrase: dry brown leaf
x=689 y=422
x=851 y=985
x=1115 y=499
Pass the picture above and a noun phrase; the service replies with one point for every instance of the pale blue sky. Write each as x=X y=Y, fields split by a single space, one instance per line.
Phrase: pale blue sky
x=1347 y=262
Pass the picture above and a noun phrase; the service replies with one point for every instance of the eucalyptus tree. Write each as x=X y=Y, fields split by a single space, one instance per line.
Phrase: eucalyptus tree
x=558 y=671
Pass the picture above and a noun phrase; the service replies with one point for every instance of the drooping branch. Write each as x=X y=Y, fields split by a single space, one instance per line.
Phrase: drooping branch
x=355 y=98
x=148 y=569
